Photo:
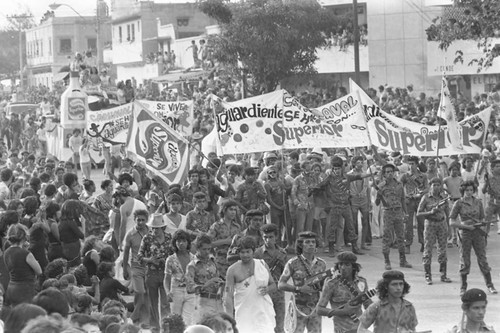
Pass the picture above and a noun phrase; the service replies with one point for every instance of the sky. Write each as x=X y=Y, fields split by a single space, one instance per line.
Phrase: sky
x=39 y=7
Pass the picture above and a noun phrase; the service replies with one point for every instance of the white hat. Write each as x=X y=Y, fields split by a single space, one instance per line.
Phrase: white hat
x=270 y=155
x=156 y=221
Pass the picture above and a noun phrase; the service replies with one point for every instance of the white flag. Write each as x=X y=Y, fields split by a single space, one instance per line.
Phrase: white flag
x=446 y=111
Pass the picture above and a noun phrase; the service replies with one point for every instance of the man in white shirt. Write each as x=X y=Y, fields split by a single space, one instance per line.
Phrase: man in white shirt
x=74 y=143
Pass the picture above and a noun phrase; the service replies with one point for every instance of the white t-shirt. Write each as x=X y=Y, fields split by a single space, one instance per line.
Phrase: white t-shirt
x=84 y=155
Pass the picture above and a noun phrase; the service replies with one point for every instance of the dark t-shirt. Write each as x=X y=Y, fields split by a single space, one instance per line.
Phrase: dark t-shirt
x=109 y=288
x=19 y=270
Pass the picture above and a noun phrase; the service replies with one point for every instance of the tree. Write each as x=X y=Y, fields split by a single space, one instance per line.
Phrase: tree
x=477 y=20
x=272 y=39
x=9 y=37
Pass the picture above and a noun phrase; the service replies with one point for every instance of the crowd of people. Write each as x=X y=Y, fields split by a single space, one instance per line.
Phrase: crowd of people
x=220 y=250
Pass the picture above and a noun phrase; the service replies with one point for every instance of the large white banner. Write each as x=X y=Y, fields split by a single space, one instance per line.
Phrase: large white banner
x=277 y=120
x=395 y=134
x=334 y=125
x=251 y=125
x=111 y=126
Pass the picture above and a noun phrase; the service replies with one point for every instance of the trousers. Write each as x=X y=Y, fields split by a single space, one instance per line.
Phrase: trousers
x=393 y=222
x=476 y=240
x=433 y=231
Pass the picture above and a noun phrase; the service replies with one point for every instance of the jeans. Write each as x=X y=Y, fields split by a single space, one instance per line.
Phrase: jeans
x=158 y=297
x=183 y=304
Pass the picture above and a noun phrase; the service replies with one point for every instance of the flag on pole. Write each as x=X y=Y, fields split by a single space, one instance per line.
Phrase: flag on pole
x=446 y=111
x=156 y=146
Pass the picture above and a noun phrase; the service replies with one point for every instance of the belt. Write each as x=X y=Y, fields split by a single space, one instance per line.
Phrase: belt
x=436 y=221
x=210 y=296
x=392 y=208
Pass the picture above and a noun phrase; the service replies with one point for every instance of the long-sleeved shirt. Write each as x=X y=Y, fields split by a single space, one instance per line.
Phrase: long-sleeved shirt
x=69 y=231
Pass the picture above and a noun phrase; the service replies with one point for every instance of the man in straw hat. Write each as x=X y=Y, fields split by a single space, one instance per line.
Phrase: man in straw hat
x=381 y=314
x=340 y=290
x=154 y=250
x=474 y=308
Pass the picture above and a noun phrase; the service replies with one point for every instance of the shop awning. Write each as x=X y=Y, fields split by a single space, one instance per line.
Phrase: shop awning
x=60 y=76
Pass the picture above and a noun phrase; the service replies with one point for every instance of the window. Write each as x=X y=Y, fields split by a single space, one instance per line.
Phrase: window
x=50 y=46
x=182 y=21
x=120 y=34
x=92 y=44
x=65 y=45
x=133 y=32
x=37 y=50
x=139 y=26
x=128 y=32
x=41 y=48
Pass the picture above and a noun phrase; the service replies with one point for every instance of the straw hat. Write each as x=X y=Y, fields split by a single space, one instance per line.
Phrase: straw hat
x=156 y=221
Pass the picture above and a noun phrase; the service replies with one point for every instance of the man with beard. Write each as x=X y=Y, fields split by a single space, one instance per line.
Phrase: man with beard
x=248 y=283
x=336 y=186
x=391 y=291
x=340 y=290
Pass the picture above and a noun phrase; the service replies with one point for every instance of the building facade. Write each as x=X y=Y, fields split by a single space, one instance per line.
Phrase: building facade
x=53 y=43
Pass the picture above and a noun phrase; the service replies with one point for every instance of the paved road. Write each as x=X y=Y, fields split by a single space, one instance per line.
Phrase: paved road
x=438 y=305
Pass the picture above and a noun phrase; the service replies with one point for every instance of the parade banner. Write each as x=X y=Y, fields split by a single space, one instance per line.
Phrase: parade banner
x=250 y=125
x=156 y=146
x=334 y=125
x=277 y=120
x=109 y=126
x=177 y=115
x=391 y=133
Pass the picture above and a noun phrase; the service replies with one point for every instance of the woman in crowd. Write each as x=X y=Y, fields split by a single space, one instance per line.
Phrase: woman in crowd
x=104 y=201
x=70 y=231
x=22 y=266
x=175 y=282
x=52 y=214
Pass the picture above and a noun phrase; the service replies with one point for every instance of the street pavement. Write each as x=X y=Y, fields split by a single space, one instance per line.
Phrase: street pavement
x=438 y=305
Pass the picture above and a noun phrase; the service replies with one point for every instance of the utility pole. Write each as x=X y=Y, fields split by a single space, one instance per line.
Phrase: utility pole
x=356 y=41
x=18 y=19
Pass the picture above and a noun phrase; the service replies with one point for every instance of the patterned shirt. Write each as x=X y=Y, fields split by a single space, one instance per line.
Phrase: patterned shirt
x=414 y=184
x=386 y=319
x=467 y=211
x=335 y=292
x=462 y=329
x=275 y=190
x=300 y=191
x=391 y=192
x=251 y=195
x=188 y=191
x=359 y=190
x=151 y=247
x=220 y=230
x=429 y=202
x=494 y=187
x=337 y=188
x=199 y=271
x=199 y=221
x=173 y=268
x=296 y=269
x=275 y=263
x=234 y=249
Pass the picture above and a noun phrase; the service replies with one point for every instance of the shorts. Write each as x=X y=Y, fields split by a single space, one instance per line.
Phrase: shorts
x=138 y=279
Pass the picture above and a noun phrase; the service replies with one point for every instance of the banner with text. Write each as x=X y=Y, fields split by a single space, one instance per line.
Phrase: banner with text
x=410 y=138
x=155 y=145
x=109 y=126
x=334 y=125
x=278 y=120
x=177 y=115
x=251 y=125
